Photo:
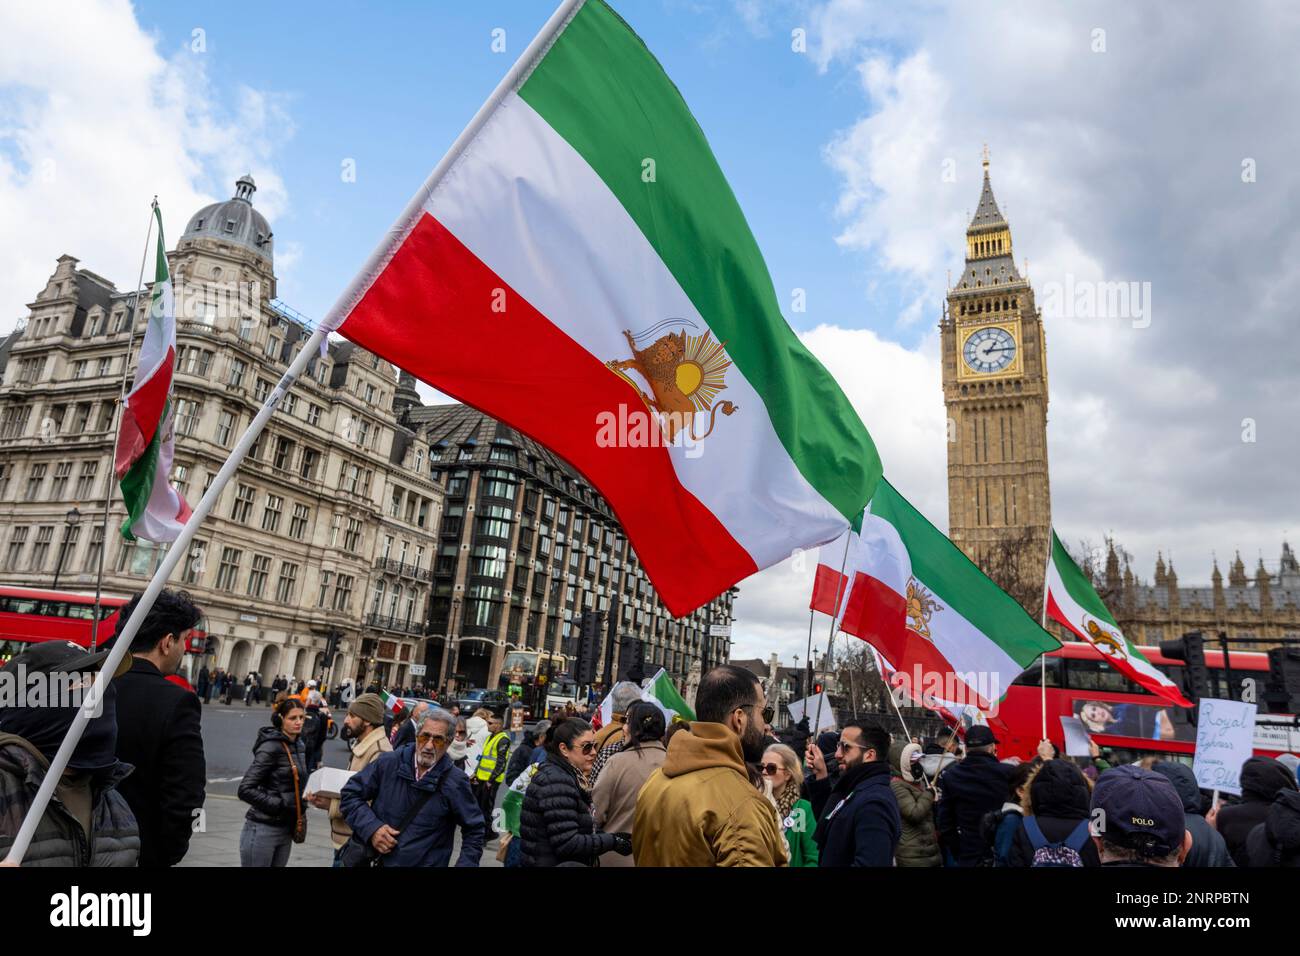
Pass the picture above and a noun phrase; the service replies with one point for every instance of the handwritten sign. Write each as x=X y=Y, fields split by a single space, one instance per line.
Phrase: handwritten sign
x=1225 y=732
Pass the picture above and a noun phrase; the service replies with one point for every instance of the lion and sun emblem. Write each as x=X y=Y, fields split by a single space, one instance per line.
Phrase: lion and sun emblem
x=685 y=372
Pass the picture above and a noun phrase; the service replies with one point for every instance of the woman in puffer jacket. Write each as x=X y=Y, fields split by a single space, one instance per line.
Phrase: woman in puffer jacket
x=556 y=825
x=269 y=788
x=919 y=843
x=1058 y=798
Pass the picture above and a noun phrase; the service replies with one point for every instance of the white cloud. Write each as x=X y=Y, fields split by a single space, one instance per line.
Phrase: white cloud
x=96 y=121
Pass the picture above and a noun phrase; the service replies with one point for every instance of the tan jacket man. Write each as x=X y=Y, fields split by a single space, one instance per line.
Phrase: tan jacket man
x=367 y=709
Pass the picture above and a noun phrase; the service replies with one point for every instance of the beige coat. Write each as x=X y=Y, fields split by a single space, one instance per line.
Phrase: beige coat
x=614 y=796
x=367 y=750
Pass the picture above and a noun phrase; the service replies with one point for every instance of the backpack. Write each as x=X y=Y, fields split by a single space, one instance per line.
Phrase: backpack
x=1064 y=853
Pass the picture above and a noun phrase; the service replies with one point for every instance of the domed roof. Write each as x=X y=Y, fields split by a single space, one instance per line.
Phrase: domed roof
x=234 y=221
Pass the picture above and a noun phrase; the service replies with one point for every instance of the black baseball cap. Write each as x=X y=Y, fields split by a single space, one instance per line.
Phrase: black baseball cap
x=1142 y=810
x=63 y=657
x=980 y=736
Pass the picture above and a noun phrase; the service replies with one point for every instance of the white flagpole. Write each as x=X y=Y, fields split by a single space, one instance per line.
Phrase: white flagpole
x=117 y=432
x=839 y=586
x=1042 y=658
x=350 y=296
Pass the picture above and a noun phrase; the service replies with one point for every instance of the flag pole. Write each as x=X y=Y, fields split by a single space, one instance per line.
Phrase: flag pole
x=117 y=432
x=346 y=300
x=830 y=641
x=808 y=659
x=1042 y=658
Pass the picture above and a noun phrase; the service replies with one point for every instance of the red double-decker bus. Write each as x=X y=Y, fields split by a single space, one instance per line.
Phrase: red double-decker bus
x=30 y=615
x=1120 y=715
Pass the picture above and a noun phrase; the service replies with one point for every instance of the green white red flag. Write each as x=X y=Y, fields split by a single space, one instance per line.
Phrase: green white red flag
x=588 y=278
x=1074 y=603
x=953 y=635
x=145 y=444
x=662 y=692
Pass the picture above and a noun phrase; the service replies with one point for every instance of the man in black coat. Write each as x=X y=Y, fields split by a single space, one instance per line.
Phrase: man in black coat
x=1262 y=779
x=159 y=732
x=969 y=789
x=858 y=821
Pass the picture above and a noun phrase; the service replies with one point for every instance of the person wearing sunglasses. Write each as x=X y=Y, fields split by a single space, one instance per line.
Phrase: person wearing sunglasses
x=859 y=824
x=556 y=823
x=405 y=807
x=784 y=778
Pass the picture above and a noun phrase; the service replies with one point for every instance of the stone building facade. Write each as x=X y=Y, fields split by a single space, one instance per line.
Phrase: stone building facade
x=1262 y=606
x=329 y=526
x=526 y=544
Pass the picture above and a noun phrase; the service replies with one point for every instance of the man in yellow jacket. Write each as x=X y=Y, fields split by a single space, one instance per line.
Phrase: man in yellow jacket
x=365 y=725
x=699 y=808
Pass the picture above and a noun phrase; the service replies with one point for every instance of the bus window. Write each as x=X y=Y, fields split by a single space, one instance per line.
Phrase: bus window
x=1097 y=675
x=1030 y=677
x=18 y=605
x=81 y=612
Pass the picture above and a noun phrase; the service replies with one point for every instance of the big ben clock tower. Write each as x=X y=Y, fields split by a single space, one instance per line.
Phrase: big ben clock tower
x=995 y=390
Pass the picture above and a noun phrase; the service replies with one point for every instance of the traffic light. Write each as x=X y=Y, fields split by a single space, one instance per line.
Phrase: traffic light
x=584 y=668
x=1282 y=685
x=631 y=660
x=1190 y=649
x=817 y=687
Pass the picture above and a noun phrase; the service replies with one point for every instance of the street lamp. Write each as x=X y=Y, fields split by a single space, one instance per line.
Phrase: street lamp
x=70 y=521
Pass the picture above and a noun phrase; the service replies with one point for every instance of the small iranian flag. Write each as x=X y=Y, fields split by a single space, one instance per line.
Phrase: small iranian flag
x=662 y=692
x=830 y=583
x=590 y=280
x=1072 y=601
x=938 y=621
x=143 y=459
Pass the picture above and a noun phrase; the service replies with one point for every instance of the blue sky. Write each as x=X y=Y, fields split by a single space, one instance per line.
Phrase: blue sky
x=392 y=89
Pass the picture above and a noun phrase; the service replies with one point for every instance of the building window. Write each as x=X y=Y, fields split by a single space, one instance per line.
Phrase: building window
x=243 y=505
x=195 y=563
x=225 y=426
x=35 y=478
x=313 y=414
x=322 y=599
x=106 y=366
x=95 y=549
x=349 y=477
x=14 y=422
x=343 y=593
x=258 y=575
x=310 y=462
x=238 y=367
x=271 y=514
x=261 y=390
x=41 y=548
x=86 y=480
x=290 y=403
x=105 y=420
x=298 y=523
x=380 y=589
x=17 y=541
x=283 y=453
x=59 y=486
x=286 y=587
x=352 y=538
x=81 y=418
x=228 y=569
x=246 y=326
x=273 y=348
x=80 y=369
x=187 y=416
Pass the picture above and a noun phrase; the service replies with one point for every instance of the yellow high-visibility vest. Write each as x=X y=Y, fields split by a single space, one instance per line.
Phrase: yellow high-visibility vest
x=487 y=761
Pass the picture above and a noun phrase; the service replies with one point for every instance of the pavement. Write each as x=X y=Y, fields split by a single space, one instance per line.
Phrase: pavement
x=228 y=735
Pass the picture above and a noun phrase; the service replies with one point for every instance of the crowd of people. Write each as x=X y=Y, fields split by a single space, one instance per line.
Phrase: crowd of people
x=642 y=789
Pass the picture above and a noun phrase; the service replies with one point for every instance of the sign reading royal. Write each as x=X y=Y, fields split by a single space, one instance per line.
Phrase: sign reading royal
x=1225 y=731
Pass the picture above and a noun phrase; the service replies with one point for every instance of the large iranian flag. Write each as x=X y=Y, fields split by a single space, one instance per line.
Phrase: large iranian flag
x=582 y=271
x=1072 y=600
x=155 y=511
x=938 y=621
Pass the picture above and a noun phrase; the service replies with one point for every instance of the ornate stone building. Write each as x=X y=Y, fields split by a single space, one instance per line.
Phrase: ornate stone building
x=526 y=544
x=329 y=525
x=994 y=358
x=1264 y=605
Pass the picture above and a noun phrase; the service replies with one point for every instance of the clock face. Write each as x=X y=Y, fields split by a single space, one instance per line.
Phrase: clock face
x=989 y=350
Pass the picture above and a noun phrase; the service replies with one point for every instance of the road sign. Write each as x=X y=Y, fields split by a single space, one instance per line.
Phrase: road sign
x=417 y=670
x=719 y=630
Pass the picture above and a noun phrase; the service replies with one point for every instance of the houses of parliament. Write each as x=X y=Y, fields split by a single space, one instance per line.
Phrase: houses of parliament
x=995 y=388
